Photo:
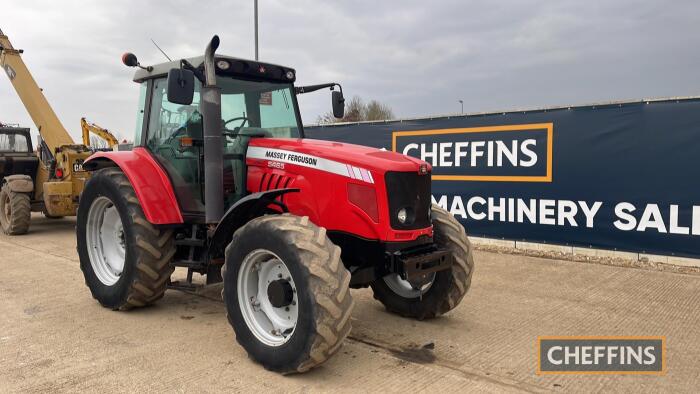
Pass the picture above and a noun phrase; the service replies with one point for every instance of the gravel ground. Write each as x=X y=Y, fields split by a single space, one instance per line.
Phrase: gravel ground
x=55 y=338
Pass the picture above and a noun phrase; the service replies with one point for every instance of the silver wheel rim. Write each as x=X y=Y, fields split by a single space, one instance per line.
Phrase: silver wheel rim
x=271 y=326
x=105 y=240
x=405 y=288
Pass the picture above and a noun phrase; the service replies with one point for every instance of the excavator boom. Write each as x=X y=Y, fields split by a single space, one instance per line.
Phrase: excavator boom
x=101 y=132
x=52 y=131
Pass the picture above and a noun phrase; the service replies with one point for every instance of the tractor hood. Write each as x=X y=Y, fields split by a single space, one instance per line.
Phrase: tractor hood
x=380 y=161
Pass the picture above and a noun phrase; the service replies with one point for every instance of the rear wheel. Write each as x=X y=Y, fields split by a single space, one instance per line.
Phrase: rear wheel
x=124 y=258
x=437 y=293
x=286 y=293
x=15 y=211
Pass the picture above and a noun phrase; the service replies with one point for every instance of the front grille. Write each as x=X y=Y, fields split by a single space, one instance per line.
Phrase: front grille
x=408 y=190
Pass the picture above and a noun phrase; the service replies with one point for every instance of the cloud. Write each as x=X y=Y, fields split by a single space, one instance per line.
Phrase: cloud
x=419 y=57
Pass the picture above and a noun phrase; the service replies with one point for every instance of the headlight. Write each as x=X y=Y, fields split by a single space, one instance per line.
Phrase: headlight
x=402 y=216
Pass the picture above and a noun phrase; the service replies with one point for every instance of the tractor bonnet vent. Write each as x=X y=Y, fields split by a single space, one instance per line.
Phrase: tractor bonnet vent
x=274 y=181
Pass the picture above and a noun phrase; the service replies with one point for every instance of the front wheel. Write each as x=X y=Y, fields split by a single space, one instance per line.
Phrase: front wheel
x=286 y=293
x=436 y=293
x=15 y=211
x=124 y=258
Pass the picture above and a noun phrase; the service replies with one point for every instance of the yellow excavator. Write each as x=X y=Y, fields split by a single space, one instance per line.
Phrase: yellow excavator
x=55 y=184
x=101 y=132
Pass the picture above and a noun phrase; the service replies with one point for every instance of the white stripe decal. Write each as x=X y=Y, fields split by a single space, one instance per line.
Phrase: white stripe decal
x=350 y=173
x=358 y=174
x=365 y=175
x=304 y=160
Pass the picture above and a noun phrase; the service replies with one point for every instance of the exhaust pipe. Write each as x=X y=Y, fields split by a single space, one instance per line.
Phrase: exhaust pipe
x=210 y=107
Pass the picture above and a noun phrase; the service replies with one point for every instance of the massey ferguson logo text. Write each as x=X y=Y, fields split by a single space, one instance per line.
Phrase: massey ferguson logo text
x=512 y=153
x=291 y=158
x=601 y=355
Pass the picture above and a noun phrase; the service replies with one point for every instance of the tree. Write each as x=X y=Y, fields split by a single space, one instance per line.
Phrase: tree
x=356 y=111
x=378 y=111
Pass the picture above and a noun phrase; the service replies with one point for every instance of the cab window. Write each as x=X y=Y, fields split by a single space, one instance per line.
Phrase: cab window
x=13 y=143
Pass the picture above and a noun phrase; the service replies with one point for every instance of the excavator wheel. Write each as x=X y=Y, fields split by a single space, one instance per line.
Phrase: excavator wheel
x=124 y=258
x=439 y=292
x=286 y=292
x=15 y=211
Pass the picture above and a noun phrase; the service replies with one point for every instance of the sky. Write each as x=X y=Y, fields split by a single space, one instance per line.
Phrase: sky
x=419 y=57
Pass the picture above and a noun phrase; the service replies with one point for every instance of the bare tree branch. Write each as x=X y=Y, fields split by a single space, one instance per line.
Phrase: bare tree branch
x=356 y=111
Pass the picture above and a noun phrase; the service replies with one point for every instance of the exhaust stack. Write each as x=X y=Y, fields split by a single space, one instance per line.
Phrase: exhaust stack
x=210 y=107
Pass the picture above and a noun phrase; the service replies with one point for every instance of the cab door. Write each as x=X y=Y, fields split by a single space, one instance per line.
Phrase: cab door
x=174 y=136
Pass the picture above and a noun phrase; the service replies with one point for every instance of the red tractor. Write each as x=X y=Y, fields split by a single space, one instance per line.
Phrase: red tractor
x=222 y=182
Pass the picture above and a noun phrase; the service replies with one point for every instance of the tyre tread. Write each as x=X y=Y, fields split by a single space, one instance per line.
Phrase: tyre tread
x=21 y=212
x=455 y=235
x=328 y=279
x=155 y=249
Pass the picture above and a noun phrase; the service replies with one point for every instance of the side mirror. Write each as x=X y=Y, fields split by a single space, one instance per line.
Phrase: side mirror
x=180 y=86
x=338 y=104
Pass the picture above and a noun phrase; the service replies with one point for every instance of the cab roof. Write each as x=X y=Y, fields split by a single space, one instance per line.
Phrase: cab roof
x=13 y=130
x=250 y=68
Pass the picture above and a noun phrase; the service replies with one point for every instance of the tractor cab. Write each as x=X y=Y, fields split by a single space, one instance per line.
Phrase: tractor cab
x=256 y=100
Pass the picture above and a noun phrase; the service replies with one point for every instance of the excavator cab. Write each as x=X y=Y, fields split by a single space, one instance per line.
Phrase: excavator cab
x=16 y=157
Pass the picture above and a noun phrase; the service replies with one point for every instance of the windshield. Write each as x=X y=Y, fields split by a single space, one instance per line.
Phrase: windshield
x=13 y=143
x=246 y=108
x=254 y=106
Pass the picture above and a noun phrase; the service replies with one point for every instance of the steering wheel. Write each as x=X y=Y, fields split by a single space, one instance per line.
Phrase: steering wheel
x=180 y=131
x=235 y=129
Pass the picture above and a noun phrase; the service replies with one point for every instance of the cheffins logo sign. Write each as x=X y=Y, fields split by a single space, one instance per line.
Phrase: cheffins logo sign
x=601 y=355
x=512 y=153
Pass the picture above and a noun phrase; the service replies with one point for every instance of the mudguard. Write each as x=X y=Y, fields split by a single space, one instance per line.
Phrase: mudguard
x=240 y=213
x=19 y=183
x=149 y=180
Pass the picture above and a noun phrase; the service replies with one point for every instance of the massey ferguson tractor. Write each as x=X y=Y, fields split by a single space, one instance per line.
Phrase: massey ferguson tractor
x=223 y=183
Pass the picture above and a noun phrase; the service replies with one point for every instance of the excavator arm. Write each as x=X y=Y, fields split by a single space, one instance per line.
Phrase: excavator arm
x=101 y=132
x=45 y=119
